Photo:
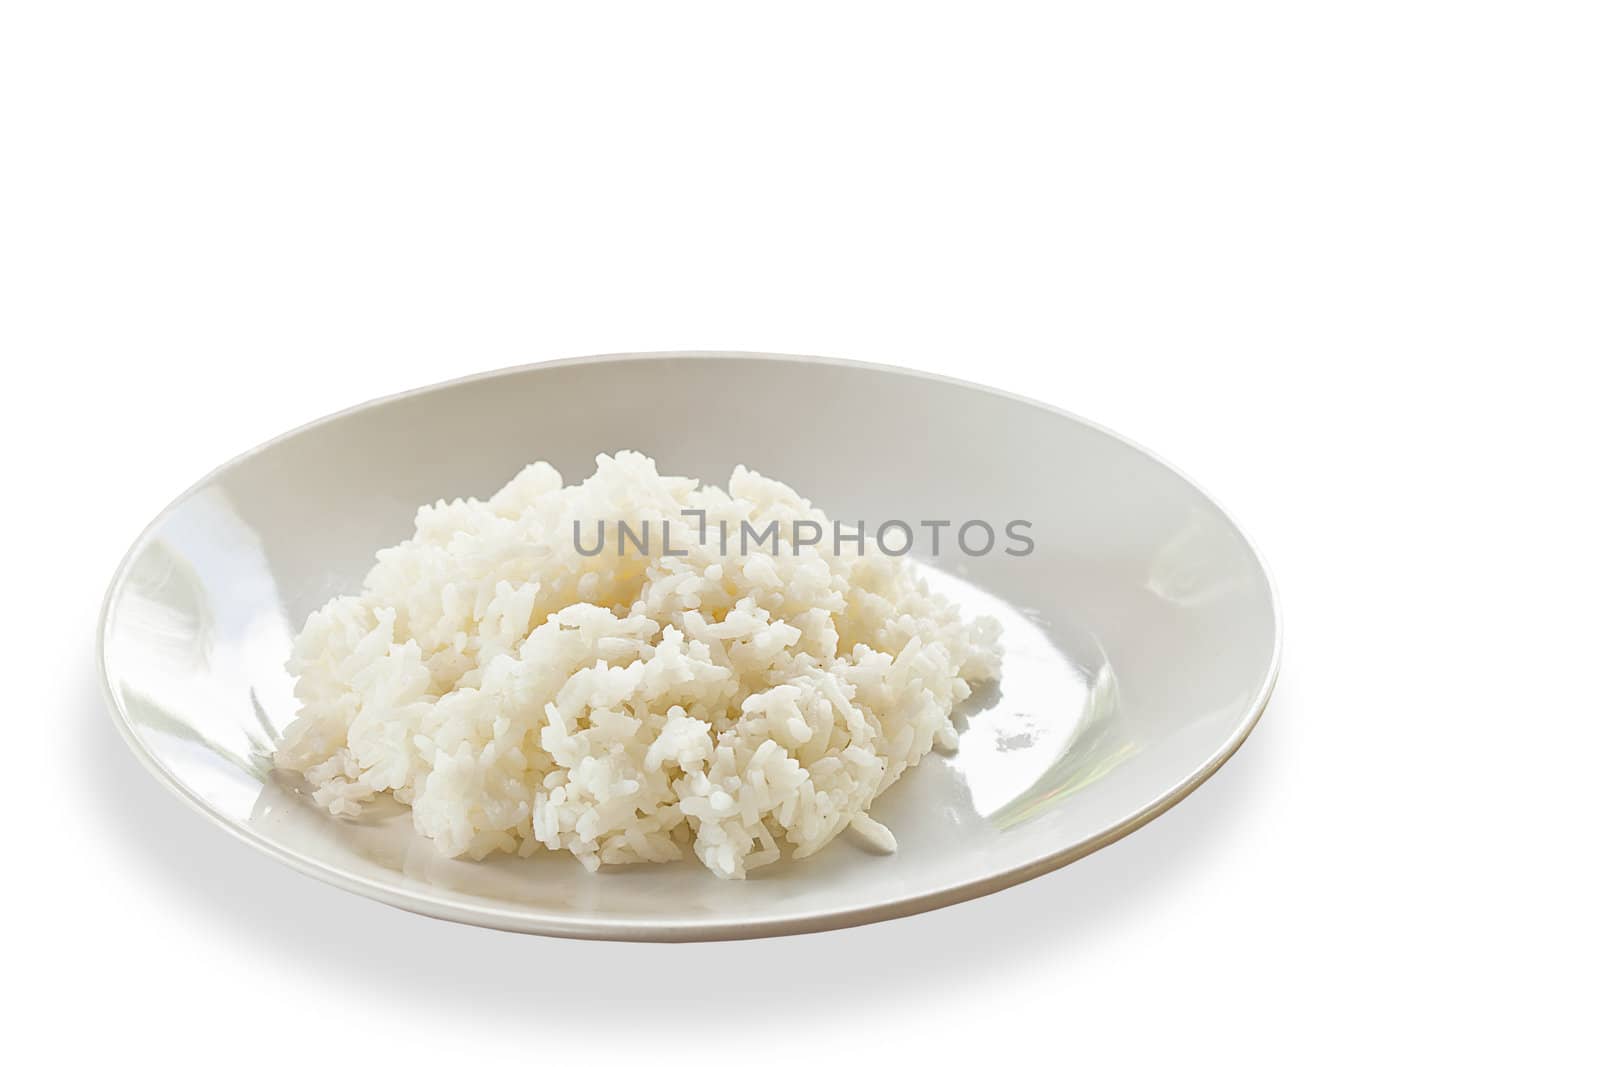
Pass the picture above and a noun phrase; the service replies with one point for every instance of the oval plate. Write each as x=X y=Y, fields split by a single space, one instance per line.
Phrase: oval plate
x=1141 y=635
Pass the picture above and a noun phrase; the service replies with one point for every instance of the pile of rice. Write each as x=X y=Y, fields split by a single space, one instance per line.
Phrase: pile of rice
x=520 y=695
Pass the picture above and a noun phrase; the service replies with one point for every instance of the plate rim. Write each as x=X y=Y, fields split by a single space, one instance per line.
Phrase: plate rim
x=557 y=924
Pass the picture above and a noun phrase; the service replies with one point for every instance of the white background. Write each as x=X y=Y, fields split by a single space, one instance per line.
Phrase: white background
x=1338 y=262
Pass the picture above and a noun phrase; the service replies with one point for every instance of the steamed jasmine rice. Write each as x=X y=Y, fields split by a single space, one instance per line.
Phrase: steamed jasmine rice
x=522 y=691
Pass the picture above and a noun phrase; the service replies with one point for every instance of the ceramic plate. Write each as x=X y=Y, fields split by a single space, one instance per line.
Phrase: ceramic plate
x=1141 y=634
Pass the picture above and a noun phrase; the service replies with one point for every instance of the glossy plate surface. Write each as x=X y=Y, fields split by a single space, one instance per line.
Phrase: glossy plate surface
x=1141 y=635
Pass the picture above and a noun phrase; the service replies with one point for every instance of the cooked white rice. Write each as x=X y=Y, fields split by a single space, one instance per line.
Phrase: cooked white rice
x=520 y=695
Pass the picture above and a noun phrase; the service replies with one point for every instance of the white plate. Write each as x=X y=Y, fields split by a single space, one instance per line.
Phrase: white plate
x=1141 y=635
